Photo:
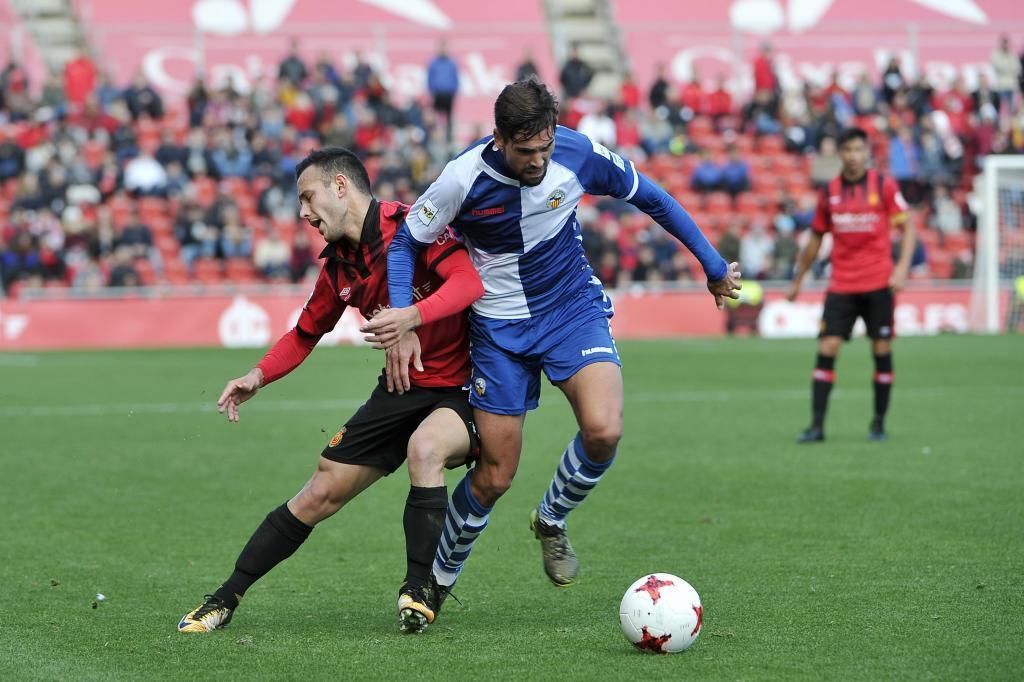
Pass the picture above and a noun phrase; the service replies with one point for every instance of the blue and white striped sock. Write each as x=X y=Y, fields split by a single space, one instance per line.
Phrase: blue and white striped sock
x=575 y=477
x=465 y=520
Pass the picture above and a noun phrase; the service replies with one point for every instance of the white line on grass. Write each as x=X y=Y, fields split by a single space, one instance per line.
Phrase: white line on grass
x=302 y=405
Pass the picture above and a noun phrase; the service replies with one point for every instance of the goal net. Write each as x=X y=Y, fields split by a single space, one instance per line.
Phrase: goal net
x=997 y=300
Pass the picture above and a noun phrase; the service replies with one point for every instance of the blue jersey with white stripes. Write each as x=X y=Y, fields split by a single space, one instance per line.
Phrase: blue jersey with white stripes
x=525 y=241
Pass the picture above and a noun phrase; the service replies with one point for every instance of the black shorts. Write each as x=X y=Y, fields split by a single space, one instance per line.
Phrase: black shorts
x=378 y=433
x=443 y=102
x=842 y=311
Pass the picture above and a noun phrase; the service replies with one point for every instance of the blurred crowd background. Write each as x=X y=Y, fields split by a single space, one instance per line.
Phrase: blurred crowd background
x=107 y=183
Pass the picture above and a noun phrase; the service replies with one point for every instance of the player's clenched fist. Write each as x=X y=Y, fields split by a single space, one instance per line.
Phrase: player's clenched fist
x=237 y=391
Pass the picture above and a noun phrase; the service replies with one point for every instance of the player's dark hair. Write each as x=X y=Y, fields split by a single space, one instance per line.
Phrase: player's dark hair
x=334 y=160
x=524 y=109
x=851 y=134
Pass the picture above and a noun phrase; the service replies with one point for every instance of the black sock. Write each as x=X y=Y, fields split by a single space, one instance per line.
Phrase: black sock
x=423 y=520
x=883 y=384
x=275 y=540
x=824 y=375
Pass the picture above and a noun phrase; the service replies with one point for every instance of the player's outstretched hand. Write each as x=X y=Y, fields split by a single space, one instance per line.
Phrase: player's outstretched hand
x=238 y=391
x=399 y=356
x=793 y=291
x=727 y=287
x=387 y=327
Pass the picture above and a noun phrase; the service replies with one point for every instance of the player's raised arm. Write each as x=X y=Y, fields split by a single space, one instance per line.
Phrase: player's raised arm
x=605 y=172
x=723 y=278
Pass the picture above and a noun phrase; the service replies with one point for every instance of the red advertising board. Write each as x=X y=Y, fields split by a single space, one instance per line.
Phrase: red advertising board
x=814 y=38
x=258 y=320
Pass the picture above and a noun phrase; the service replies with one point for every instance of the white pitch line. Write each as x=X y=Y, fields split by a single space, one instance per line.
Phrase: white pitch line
x=738 y=395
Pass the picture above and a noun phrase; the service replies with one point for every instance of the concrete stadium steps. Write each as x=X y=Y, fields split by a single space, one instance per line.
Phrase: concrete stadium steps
x=55 y=28
x=589 y=24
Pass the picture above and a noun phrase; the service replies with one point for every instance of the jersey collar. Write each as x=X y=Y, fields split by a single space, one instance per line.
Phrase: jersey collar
x=494 y=164
x=367 y=238
x=355 y=260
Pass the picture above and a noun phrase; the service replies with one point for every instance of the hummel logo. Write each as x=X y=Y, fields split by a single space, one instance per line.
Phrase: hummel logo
x=497 y=210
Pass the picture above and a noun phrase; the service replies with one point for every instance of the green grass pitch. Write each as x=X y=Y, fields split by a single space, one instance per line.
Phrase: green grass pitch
x=848 y=560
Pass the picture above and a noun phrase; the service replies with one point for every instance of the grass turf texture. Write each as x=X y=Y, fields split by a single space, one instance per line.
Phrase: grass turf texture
x=846 y=560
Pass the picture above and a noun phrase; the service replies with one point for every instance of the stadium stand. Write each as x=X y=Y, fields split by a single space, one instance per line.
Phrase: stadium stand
x=117 y=184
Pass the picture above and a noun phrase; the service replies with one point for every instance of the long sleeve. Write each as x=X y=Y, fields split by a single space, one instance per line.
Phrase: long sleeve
x=462 y=286
x=402 y=255
x=287 y=354
x=655 y=202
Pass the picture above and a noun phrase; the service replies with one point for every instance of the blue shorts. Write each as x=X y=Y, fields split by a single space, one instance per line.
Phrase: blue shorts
x=508 y=355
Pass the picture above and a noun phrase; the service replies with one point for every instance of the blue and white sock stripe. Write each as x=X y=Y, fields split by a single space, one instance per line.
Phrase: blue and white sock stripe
x=465 y=520
x=574 y=478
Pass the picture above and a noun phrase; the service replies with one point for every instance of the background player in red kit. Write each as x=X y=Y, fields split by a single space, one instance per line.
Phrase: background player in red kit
x=422 y=414
x=859 y=207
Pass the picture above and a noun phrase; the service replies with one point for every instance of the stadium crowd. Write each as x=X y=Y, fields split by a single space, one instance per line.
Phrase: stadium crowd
x=102 y=185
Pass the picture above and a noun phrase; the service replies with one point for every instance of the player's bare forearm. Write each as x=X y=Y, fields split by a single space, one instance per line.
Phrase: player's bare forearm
x=807 y=257
x=907 y=246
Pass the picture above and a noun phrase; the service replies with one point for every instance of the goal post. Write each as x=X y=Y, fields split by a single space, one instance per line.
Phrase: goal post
x=999 y=251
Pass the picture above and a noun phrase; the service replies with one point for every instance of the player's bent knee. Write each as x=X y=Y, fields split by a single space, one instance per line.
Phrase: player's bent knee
x=488 y=486
x=427 y=452
x=602 y=439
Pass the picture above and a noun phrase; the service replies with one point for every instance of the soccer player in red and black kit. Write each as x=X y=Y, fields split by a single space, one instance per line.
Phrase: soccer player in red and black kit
x=421 y=414
x=859 y=208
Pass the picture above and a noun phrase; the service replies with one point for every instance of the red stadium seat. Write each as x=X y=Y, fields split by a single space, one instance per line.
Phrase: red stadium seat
x=208 y=271
x=241 y=271
x=147 y=275
x=940 y=264
x=719 y=202
x=769 y=144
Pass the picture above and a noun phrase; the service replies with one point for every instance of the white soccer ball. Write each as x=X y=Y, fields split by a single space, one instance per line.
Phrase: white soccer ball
x=661 y=613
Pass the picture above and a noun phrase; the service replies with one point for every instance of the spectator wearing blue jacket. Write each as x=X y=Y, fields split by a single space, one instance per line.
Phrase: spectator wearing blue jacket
x=443 y=84
x=707 y=176
x=904 y=164
x=735 y=174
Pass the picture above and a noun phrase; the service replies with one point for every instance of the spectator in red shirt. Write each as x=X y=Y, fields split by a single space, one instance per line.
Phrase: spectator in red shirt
x=79 y=79
x=719 y=102
x=629 y=92
x=764 y=70
x=691 y=95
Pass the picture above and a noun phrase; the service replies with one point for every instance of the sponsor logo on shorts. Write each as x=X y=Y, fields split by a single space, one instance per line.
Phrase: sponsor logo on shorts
x=337 y=437
x=597 y=349
x=345 y=293
x=556 y=199
x=885 y=331
x=480 y=386
x=427 y=212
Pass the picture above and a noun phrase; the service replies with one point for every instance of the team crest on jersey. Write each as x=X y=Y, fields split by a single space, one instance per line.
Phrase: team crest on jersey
x=556 y=199
x=873 y=199
x=480 y=386
x=337 y=437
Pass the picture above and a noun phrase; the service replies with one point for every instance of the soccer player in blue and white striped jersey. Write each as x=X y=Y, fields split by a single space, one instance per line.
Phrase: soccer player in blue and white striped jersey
x=512 y=198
